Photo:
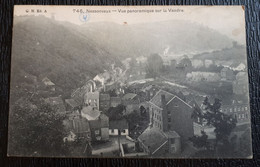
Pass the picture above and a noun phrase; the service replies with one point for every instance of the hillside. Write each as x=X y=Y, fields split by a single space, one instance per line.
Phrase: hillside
x=182 y=37
x=68 y=53
x=45 y=47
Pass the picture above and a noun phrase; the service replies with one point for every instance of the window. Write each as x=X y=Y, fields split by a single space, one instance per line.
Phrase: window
x=246 y=115
x=246 y=108
x=243 y=116
x=235 y=109
x=230 y=109
x=242 y=108
x=239 y=116
x=169 y=119
x=97 y=132
x=172 y=141
x=123 y=131
x=238 y=109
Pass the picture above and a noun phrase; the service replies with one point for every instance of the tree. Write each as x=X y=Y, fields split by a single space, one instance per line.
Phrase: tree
x=223 y=123
x=154 y=65
x=36 y=132
x=200 y=141
x=116 y=113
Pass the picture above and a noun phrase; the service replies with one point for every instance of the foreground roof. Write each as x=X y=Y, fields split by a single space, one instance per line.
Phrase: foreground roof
x=152 y=138
x=118 y=124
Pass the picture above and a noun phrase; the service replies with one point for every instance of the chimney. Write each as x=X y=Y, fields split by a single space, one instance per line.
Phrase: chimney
x=164 y=113
x=163 y=101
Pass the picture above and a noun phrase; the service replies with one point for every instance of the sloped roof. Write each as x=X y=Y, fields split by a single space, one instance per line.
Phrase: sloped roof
x=90 y=113
x=73 y=103
x=118 y=124
x=77 y=125
x=129 y=96
x=152 y=138
x=156 y=100
x=47 y=82
x=102 y=121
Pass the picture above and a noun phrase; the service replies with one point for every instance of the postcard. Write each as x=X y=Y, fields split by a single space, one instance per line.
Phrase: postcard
x=129 y=82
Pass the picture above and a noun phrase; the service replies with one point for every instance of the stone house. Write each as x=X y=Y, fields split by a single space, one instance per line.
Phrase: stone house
x=99 y=123
x=117 y=127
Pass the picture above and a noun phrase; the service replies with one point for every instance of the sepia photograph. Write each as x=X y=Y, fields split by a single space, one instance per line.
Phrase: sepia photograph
x=129 y=82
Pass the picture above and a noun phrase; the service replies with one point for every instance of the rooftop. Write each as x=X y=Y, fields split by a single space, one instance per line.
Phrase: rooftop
x=118 y=124
x=72 y=103
x=152 y=138
x=77 y=125
x=90 y=113
x=156 y=100
x=129 y=96
x=47 y=82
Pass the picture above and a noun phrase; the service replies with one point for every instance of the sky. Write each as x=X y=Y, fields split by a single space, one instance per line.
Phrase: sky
x=228 y=20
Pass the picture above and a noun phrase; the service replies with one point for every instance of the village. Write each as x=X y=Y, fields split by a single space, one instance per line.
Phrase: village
x=122 y=112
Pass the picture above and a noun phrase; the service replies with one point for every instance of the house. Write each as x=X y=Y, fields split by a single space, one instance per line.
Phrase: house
x=78 y=129
x=240 y=85
x=157 y=143
x=103 y=79
x=92 y=99
x=118 y=126
x=56 y=103
x=131 y=101
x=227 y=74
x=48 y=83
x=104 y=102
x=203 y=76
x=239 y=111
x=115 y=101
x=72 y=104
x=99 y=123
x=168 y=112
